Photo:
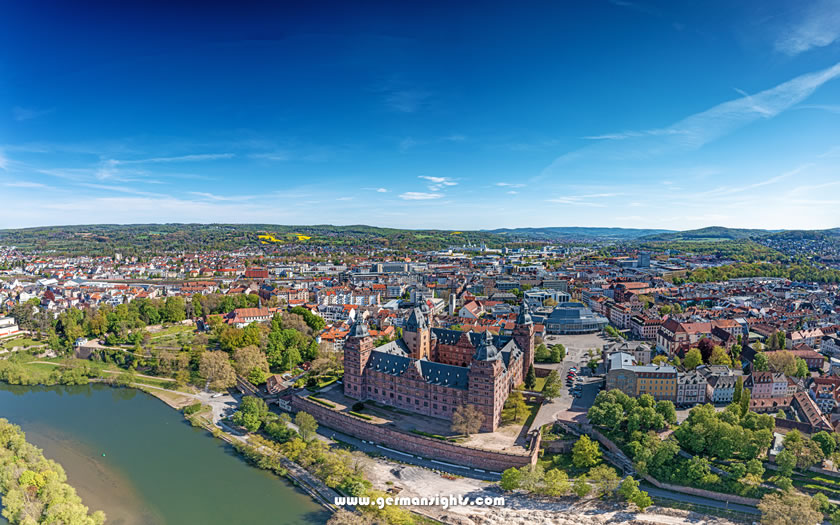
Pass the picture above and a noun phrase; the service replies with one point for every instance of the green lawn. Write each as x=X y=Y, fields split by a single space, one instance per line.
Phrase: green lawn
x=540 y=384
x=172 y=330
x=20 y=341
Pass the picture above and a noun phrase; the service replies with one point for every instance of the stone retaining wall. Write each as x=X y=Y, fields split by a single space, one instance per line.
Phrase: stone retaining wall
x=429 y=448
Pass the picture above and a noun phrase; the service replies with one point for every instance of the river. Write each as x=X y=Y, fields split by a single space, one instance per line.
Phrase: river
x=130 y=455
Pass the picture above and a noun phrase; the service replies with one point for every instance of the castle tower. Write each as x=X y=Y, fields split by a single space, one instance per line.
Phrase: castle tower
x=417 y=335
x=523 y=334
x=357 y=348
x=487 y=391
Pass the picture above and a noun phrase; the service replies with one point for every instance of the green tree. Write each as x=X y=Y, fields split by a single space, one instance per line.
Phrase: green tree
x=760 y=362
x=693 y=359
x=515 y=408
x=825 y=441
x=786 y=462
x=307 y=426
x=720 y=357
x=552 y=386
x=605 y=479
x=789 y=508
x=745 y=402
x=581 y=487
x=558 y=353
x=739 y=387
x=510 y=479
x=530 y=378
x=251 y=414
x=667 y=410
x=585 y=452
x=801 y=368
x=556 y=483
x=542 y=354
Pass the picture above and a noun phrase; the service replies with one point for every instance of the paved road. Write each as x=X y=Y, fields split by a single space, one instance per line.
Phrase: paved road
x=371 y=448
x=697 y=500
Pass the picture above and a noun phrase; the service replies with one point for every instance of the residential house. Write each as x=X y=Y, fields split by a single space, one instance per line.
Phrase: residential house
x=766 y=384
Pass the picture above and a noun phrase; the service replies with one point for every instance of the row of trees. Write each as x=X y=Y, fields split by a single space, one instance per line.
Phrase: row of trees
x=544 y=354
x=555 y=482
x=619 y=413
x=337 y=467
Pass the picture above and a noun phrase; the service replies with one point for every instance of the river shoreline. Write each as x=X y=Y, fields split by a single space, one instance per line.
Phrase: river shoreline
x=385 y=474
x=117 y=441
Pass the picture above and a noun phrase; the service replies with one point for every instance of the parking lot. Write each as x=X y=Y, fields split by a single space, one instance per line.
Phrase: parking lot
x=568 y=406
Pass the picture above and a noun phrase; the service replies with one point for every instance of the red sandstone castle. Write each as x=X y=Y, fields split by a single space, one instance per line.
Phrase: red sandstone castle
x=432 y=371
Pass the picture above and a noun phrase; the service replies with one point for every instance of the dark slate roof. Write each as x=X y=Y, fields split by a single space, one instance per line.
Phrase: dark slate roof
x=486 y=350
x=393 y=347
x=509 y=351
x=359 y=329
x=446 y=337
x=445 y=375
x=416 y=321
x=524 y=316
x=393 y=364
x=450 y=337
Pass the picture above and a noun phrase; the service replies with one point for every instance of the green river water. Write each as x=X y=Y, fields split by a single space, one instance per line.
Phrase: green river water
x=138 y=460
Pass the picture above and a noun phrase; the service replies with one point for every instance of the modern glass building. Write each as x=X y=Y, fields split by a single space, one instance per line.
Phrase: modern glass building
x=573 y=318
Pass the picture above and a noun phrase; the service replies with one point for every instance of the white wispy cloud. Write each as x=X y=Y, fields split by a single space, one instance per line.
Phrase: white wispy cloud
x=24 y=184
x=280 y=156
x=419 y=196
x=222 y=198
x=438 y=183
x=345 y=198
x=20 y=114
x=729 y=189
x=180 y=158
x=590 y=200
x=121 y=189
x=512 y=192
x=455 y=137
x=830 y=108
x=701 y=128
x=818 y=26
x=509 y=185
x=4 y=161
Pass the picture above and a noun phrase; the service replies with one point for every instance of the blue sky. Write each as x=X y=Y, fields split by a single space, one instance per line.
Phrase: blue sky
x=602 y=113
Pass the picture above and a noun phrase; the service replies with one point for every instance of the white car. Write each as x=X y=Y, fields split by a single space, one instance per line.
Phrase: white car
x=220 y=394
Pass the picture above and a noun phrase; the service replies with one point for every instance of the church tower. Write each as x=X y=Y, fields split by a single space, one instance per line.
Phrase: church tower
x=523 y=334
x=487 y=389
x=357 y=348
x=417 y=335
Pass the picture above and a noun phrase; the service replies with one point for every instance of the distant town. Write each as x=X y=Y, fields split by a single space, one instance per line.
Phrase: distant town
x=694 y=370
